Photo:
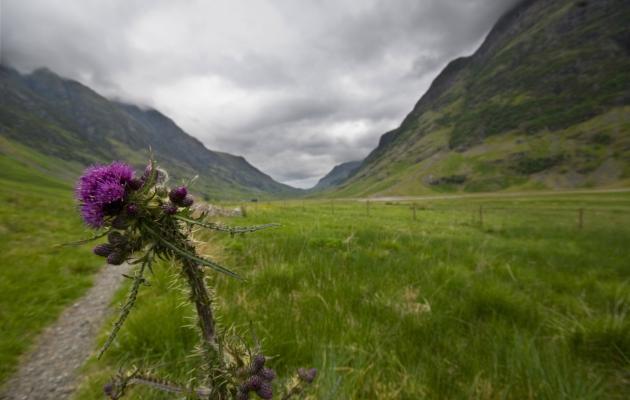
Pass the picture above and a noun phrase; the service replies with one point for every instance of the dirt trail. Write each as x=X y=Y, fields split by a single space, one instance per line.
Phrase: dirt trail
x=49 y=371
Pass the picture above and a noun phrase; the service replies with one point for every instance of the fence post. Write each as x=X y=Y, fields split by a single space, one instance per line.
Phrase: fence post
x=481 y=215
x=413 y=207
x=580 y=218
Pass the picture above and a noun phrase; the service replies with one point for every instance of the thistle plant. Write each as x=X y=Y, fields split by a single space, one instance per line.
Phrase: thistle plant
x=144 y=220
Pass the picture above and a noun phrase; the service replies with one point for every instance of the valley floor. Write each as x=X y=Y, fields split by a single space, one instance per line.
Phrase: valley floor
x=493 y=297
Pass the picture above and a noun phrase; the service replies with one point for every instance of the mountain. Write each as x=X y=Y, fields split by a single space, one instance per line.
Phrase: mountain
x=543 y=103
x=337 y=175
x=44 y=115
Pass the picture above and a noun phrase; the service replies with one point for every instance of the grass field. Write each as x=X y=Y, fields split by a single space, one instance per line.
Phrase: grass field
x=525 y=305
x=37 y=280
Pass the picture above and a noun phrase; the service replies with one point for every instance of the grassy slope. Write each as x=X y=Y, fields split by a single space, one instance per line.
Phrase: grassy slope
x=592 y=153
x=525 y=306
x=37 y=280
x=558 y=82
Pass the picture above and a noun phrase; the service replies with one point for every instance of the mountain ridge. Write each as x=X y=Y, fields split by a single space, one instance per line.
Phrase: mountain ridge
x=65 y=119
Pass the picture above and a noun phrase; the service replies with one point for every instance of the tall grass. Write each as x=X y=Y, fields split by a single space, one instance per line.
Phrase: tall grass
x=525 y=306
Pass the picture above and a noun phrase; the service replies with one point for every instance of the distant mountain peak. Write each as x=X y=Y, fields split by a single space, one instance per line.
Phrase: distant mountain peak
x=337 y=175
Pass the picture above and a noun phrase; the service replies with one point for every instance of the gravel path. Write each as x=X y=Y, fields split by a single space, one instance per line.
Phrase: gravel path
x=49 y=371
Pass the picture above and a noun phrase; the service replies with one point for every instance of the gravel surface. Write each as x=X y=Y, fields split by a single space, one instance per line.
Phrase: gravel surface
x=49 y=371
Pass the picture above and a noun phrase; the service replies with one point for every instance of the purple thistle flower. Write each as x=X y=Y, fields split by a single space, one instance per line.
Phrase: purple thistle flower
x=265 y=391
x=101 y=191
x=178 y=194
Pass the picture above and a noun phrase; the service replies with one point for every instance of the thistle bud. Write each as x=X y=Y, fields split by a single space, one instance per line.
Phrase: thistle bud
x=132 y=210
x=267 y=374
x=187 y=202
x=258 y=363
x=135 y=184
x=169 y=208
x=103 y=250
x=116 y=238
x=243 y=394
x=307 y=375
x=265 y=391
x=108 y=389
x=254 y=382
x=120 y=222
x=178 y=194
x=115 y=258
x=161 y=175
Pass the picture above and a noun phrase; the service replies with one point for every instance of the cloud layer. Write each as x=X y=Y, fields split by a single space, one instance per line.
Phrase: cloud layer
x=295 y=87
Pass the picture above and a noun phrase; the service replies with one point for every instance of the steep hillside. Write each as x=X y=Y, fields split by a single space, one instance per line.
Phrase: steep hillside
x=65 y=120
x=337 y=175
x=543 y=103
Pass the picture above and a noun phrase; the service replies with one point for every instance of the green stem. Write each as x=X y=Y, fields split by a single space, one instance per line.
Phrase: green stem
x=224 y=228
x=191 y=256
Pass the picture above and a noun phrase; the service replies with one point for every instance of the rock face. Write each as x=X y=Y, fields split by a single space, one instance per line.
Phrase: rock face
x=67 y=120
x=550 y=82
x=337 y=175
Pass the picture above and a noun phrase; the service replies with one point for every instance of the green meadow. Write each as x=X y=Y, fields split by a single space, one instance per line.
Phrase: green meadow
x=38 y=279
x=524 y=299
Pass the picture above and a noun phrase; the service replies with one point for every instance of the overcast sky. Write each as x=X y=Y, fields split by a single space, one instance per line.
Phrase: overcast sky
x=294 y=86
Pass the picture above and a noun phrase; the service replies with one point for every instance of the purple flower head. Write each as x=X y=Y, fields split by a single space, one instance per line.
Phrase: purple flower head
x=101 y=191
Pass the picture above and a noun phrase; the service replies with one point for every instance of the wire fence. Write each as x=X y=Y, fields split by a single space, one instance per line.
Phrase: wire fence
x=478 y=212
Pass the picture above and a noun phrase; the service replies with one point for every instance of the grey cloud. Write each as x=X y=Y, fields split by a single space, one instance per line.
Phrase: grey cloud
x=295 y=87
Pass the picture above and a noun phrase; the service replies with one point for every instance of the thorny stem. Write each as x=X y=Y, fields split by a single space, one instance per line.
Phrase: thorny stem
x=138 y=280
x=201 y=298
x=168 y=387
